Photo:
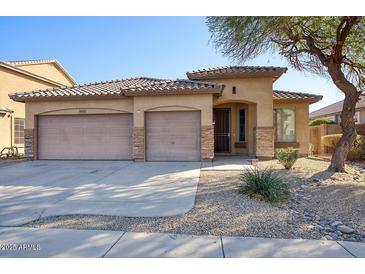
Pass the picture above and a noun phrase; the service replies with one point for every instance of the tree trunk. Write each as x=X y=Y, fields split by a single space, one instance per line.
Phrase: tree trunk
x=348 y=133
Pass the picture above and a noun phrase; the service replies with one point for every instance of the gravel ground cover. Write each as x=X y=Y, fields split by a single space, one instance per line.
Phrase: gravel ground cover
x=318 y=199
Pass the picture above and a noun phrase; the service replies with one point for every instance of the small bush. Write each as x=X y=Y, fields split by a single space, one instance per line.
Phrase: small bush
x=330 y=140
x=287 y=156
x=321 y=121
x=265 y=183
x=356 y=153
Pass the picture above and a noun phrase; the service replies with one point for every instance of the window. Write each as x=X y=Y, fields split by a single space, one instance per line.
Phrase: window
x=284 y=122
x=233 y=90
x=242 y=125
x=19 y=131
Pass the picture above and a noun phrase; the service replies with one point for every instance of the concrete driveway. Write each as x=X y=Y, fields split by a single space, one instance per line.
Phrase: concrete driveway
x=30 y=190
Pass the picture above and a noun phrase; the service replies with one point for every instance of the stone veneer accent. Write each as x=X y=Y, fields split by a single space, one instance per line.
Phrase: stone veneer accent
x=264 y=142
x=207 y=143
x=30 y=150
x=138 y=143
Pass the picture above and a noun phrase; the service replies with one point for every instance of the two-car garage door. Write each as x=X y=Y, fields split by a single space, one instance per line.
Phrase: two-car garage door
x=170 y=136
x=106 y=137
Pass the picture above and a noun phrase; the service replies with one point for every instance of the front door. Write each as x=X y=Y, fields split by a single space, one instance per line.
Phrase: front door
x=221 y=130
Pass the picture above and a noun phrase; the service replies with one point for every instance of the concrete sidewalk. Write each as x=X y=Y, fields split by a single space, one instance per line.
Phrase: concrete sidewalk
x=33 y=242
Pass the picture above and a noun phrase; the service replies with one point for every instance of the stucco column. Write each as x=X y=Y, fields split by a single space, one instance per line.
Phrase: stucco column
x=264 y=130
x=264 y=142
x=138 y=143
x=30 y=147
x=207 y=143
x=138 y=134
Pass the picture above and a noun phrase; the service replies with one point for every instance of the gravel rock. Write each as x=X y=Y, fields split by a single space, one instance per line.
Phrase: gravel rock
x=339 y=233
x=345 y=229
x=336 y=223
x=333 y=235
x=323 y=222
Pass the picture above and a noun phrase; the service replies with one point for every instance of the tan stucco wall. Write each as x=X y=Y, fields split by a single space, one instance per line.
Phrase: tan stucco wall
x=251 y=90
x=203 y=102
x=136 y=105
x=49 y=71
x=301 y=123
x=81 y=107
x=10 y=82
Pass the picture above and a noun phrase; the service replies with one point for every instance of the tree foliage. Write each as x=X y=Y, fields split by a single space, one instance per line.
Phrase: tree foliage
x=306 y=42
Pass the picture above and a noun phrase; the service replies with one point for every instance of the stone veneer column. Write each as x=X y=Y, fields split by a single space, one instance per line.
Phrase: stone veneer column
x=139 y=144
x=264 y=142
x=30 y=148
x=207 y=143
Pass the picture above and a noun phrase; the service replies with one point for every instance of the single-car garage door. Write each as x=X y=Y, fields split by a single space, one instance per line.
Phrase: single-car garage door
x=173 y=136
x=104 y=137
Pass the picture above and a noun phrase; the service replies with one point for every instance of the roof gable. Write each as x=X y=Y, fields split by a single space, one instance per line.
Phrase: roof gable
x=236 y=72
x=32 y=65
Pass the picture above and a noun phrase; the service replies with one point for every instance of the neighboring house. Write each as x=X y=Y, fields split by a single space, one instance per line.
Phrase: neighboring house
x=24 y=76
x=222 y=110
x=333 y=112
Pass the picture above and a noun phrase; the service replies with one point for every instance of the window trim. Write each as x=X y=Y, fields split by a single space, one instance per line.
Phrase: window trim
x=275 y=124
x=239 y=125
x=16 y=132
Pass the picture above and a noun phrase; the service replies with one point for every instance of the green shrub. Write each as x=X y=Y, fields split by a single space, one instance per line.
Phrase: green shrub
x=265 y=183
x=287 y=156
x=356 y=153
x=321 y=121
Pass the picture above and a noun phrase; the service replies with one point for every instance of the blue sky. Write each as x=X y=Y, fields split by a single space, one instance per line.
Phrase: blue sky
x=105 y=48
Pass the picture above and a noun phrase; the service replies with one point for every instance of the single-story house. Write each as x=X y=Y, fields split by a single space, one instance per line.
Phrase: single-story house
x=25 y=75
x=227 y=110
x=334 y=110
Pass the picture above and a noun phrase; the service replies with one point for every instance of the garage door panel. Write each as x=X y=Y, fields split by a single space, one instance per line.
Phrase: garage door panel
x=85 y=137
x=173 y=136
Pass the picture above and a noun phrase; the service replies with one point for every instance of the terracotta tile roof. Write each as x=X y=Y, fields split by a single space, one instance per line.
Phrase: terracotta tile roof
x=281 y=95
x=125 y=87
x=236 y=71
x=334 y=109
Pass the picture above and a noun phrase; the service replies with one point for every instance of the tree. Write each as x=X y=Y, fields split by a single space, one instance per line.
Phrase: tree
x=328 y=46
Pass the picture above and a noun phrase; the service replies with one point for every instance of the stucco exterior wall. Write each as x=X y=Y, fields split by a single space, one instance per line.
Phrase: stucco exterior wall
x=202 y=102
x=136 y=105
x=10 y=82
x=81 y=107
x=301 y=124
x=251 y=90
x=256 y=96
x=49 y=71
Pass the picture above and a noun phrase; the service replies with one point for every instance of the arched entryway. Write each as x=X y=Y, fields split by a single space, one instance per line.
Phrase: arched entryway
x=234 y=124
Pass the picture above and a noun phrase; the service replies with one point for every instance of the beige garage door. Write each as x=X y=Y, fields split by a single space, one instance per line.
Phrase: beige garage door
x=173 y=136
x=91 y=137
